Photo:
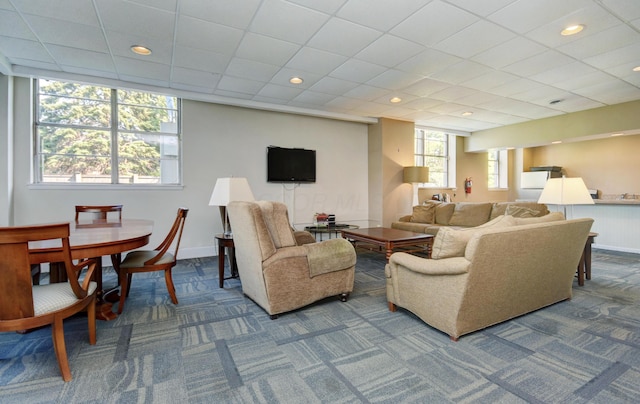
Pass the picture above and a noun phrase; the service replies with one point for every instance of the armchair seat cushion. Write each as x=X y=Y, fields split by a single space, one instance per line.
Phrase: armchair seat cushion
x=55 y=296
x=330 y=255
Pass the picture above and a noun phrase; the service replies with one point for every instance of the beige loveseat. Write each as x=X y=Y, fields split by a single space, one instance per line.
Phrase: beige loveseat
x=432 y=215
x=502 y=272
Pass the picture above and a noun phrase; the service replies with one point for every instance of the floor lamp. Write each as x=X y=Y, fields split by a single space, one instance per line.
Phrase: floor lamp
x=565 y=191
x=415 y=175
x=227 y=190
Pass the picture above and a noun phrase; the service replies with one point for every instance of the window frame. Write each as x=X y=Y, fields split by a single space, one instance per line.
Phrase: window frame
x=37 y=180
x=501 y=172
x=449 y=156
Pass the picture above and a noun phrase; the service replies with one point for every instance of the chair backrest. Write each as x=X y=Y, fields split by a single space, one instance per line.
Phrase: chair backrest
x=16 y=297
x=176 y=230
x=98 y=211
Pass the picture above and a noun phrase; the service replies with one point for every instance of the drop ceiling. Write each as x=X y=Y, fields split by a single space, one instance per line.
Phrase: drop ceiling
x=502 y=60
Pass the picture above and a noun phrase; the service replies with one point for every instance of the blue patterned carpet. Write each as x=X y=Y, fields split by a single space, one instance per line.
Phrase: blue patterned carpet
x=217 y=346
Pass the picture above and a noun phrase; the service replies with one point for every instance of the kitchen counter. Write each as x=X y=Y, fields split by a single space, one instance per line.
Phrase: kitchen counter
x=617 y=201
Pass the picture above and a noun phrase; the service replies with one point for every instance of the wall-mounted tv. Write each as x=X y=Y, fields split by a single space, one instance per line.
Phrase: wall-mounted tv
x=290 y=165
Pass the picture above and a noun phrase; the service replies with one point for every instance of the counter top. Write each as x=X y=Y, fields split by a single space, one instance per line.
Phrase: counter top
x=617 y=201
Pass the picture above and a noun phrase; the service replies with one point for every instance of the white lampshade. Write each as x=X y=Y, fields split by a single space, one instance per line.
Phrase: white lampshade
x=230 y=189
x=565 y=191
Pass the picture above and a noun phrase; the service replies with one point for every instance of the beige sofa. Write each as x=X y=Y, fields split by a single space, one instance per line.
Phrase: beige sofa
x=432 y=215
x=503 y=271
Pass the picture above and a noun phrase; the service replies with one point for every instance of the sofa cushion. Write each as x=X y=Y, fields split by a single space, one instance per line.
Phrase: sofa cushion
x=424 y=213
x=450 y=242
x=551 y=217
x=444 y=211
x=470 y=214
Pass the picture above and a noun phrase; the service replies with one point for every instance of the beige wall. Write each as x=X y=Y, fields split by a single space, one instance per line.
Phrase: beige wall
x=610 y=165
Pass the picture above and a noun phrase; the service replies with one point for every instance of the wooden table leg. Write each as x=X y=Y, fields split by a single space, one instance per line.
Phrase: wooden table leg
x=221 y=263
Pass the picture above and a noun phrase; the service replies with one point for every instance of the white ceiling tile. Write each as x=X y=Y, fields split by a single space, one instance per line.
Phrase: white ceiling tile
x=233 y=96
x=309 y=97
x=352 y=37
x=125 y=16
x=206 y=35
x=199 y=59
x=194 y=77
x=461 y=72
x=315 y=61
x=25 y=49
x=357 y=70
x=428 y=62
x=592 y=45
x=20 y=68
x=538 y=63
x=143 y=80
x=433 y=23
x=514 y=87
x=542 y=95
x=476 y=98
x=250 y=68
x=140 y=68
x=167 y=5
x=490 y=80
x=576 y=103
x=282 y=20
x=625 y=9
x=69 y=10
x=366 y=93
x=405 y=99
x=426 y=87
x=610 y=92
x=68 y=34
x=483 y=8
x=394 y=80
x=240 y=85
x=82 y=58
x=448 y=108
x=102 y=72
x=326 y=6
x=614 y=57
x=344 y=103
x=389 y=50
x=509 y=52
x=423 y=103
x=332 y=85
x=474 y=39
x=12 y=25
x=563 y=73
x=586 y=80
x=221 y=12
x=120 y=45
x=266 y=50
x=283 y=76
x=452 y=93
x=379 y=14
x=284 y=93
x=525 y=15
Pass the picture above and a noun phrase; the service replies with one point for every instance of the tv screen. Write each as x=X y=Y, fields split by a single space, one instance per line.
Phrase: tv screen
x=290 y=165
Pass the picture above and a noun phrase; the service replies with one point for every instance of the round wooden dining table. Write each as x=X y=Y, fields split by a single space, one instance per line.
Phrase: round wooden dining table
x=95 y=239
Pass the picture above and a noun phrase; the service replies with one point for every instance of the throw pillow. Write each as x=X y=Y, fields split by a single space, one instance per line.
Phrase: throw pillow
x=452 y=243
x=522 y=211
x=470 y=214
x=551 y=217
x=423 y=213
x=444 y=211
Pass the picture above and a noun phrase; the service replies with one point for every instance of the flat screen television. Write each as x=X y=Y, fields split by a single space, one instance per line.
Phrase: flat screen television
x=290 y=165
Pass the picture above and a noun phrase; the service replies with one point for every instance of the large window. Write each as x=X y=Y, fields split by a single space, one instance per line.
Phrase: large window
x=97 y=135
x=436 y=150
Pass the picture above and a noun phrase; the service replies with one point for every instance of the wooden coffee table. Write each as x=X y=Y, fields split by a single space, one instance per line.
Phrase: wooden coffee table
x=389 y=239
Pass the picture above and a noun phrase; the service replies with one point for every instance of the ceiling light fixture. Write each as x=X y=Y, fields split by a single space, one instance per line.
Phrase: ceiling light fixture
x=617 y=134
x=636 y=69
x=556 y=142
x=395 y=100
x=141 y=50
x=572 y=30
x=295 y=80
x=467 y=113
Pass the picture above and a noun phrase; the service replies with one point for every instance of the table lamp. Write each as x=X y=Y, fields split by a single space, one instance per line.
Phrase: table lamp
x=565 y=191
x=415 y=175
x=227 y=190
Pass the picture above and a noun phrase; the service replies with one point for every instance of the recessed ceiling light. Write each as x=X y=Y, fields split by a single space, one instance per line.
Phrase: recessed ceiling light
x=395 y=100
x=556 y=142
x=295 y=80
x=636 y=69
x=616 y=134
x=572 y=30
x=467 y=113
x=141 y=50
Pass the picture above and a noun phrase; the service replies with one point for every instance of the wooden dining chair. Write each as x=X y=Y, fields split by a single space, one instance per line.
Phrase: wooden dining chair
x=159 y=259
x=24 y=305
x=99 y=212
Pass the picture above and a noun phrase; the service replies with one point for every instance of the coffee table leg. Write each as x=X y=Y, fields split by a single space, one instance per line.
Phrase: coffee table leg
x=221 y=263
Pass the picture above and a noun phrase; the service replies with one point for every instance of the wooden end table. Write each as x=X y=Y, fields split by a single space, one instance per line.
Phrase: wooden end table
x=225 y=243
x=389 y=239
x=584 y=267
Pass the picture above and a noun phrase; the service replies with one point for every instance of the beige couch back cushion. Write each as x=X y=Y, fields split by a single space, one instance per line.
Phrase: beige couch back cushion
x=518 y=209
x=424 y=213
x=470 y=214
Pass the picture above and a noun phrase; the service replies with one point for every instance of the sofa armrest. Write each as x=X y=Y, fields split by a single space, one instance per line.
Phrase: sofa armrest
x=406 y=218
x=447 y=266
x=303 y=237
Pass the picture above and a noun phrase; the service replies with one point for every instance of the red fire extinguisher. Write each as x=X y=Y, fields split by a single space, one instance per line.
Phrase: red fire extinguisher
x=467 y=185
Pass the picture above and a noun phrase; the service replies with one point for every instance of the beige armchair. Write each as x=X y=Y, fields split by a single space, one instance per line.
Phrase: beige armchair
x=275 y=271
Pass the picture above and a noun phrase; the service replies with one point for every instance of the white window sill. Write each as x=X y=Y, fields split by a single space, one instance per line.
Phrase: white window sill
x=103 y=187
